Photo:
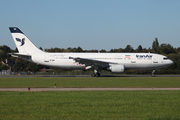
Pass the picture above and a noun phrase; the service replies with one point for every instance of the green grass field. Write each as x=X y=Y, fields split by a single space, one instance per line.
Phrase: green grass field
x=106 y=105
x=82 y=82
x=128 y=105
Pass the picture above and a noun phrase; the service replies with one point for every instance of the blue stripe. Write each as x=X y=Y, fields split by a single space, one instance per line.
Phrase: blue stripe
x=15 y=30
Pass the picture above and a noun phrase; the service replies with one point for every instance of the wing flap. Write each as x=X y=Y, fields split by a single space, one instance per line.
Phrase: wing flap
x=92 y=62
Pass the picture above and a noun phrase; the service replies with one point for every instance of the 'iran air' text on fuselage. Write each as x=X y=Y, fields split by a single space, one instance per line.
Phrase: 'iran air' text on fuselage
x=143 y=56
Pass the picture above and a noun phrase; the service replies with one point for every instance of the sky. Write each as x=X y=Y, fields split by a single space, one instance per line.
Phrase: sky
x=91 y=24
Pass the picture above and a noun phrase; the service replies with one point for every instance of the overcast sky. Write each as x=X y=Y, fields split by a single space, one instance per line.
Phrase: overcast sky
x=91 y=24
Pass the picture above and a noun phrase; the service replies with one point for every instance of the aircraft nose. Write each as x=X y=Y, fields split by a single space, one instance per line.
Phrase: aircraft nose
x=171 y=62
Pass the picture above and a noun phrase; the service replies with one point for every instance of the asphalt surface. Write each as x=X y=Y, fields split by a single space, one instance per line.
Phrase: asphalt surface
x=87 y=76
x=84 y=89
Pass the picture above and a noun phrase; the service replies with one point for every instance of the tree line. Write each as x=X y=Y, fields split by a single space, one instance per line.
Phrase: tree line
x=164 y=49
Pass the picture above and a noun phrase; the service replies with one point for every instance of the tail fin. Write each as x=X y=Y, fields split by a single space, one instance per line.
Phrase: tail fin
x=23 y=44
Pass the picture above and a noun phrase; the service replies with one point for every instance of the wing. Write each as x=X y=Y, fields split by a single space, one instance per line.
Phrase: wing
x=17 y=39
x=92 y=62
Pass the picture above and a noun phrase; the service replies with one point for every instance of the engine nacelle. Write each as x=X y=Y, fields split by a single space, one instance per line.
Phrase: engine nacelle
x=116 y=68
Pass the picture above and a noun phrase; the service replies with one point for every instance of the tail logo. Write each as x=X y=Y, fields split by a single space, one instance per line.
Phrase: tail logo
x=21 y=41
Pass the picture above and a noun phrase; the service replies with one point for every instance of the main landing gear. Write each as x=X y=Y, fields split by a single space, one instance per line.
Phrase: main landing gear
x=95 y=74
x=153 y=74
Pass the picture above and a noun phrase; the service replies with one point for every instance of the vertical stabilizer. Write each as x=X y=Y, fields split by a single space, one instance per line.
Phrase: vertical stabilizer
x=23 y=43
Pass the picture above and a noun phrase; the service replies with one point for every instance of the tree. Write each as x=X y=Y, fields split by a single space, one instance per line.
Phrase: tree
x=2 y=54
x=129 y=48
x=79 y=49
x=16 y=50
x=69 y=48
x=155 y=45
x=20 y=65
x=3 y=67
x=178 y=55
x=102 y=51
x=33 y=67
x=173 y=57
x=166 y=49
x=5 y=48
x=145 y=50
x=178 y=64
x=178 y=49
x=139 y=49
x=41 y=48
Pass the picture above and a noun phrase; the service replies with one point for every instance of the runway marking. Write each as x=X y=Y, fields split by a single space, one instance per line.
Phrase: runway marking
x=84 y=89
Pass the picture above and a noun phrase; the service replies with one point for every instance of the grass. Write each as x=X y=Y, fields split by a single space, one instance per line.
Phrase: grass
x=128 y=105
x=82 y=82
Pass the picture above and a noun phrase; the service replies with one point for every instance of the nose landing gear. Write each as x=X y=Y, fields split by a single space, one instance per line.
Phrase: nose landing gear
x=153 y=74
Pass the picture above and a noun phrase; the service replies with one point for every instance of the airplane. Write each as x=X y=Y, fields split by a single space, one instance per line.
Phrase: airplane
x=113 y=62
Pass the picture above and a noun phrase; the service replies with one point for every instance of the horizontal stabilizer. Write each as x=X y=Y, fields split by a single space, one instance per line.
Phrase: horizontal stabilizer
x=21 y=55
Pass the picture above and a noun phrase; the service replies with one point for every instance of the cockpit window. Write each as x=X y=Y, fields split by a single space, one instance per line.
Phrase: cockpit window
x=165 y=58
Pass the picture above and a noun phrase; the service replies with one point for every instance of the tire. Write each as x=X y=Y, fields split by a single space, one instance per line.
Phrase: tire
x=153 y=75
x=92 y=75
x=98 y=74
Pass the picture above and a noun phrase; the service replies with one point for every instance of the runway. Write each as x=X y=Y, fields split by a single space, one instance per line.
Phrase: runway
x=1 y=76
x=84 y=89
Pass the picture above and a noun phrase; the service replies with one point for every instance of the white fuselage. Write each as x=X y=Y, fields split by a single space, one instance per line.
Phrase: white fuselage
x=131 y=61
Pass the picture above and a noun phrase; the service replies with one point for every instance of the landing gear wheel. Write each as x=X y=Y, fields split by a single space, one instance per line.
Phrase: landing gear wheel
x=93 y=75
x=153 y=75
x=98 y=74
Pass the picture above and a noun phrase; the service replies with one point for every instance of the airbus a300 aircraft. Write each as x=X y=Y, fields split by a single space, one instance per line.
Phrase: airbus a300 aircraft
x=114 y=62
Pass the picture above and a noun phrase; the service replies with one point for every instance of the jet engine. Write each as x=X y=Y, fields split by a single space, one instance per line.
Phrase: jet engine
x=116 y=68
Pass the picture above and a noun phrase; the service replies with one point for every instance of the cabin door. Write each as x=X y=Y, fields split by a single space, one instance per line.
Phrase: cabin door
x=155 y=59
x=133 y=59
x=46 y=59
